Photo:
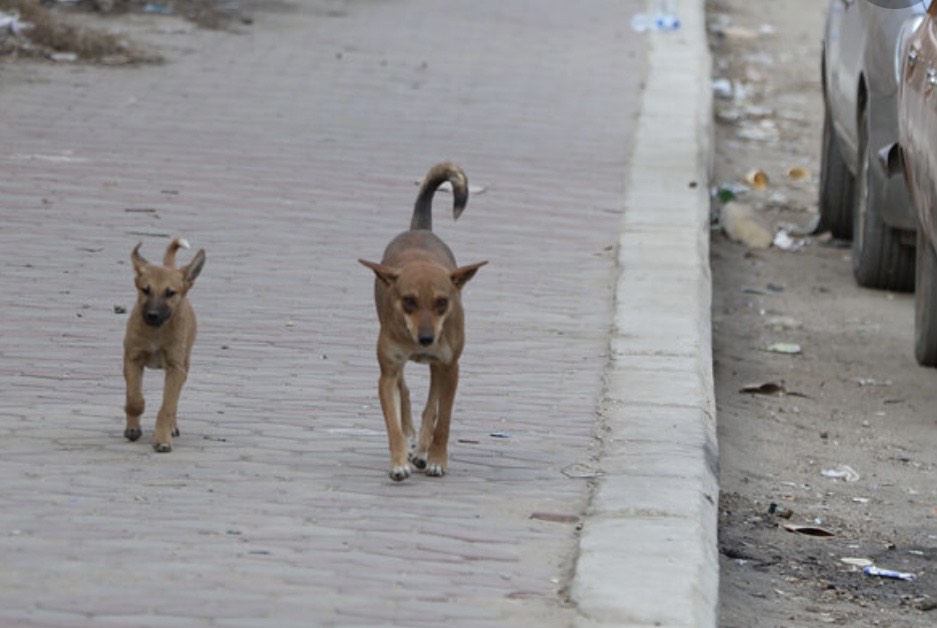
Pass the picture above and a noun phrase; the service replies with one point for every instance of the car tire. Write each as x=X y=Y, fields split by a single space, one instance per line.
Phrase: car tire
x=836 y=185
x=879 y=259
x=925 y=302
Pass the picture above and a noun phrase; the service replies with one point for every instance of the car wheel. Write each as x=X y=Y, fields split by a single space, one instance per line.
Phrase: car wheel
x=879 y=259
x=925 y=303
x=836 y=185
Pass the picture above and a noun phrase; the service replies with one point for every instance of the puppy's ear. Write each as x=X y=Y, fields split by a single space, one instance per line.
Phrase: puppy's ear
x=139 y=263
x=191 y=270
x=461 y=276
x=385 y=273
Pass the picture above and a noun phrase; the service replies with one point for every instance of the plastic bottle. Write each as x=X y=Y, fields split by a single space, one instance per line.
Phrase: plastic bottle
x=662 y=17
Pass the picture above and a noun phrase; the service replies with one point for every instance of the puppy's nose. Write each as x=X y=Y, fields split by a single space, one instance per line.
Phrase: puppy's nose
x=426 y=339
x=152 y=317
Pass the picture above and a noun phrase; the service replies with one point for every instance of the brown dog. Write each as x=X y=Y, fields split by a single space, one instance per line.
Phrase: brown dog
x=417 y=293
x=160 y=334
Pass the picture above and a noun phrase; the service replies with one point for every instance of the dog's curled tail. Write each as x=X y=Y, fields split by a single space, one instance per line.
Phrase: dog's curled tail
x=169 y=259
x=437 y=175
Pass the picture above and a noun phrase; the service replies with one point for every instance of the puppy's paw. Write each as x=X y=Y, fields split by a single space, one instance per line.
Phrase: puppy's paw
x=399 y=473
x=435 y=470
x=133 y=433
x=418 y=459
x=162 y=448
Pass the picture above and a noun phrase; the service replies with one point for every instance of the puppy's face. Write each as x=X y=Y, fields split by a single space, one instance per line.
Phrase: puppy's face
x=161 y=289
x=423 y=295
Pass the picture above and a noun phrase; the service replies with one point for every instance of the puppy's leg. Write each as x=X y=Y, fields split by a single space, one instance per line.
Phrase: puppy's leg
x=445 y=378
x=428 y=424
x=406 y=418
x=133 y=375
x=388 y=389
x=166 y=418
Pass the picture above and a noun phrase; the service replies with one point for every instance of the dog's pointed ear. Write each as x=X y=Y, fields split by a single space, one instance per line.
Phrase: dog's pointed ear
x=386 y=274
x=191 y=270
x=461 y=276
x=139 y=263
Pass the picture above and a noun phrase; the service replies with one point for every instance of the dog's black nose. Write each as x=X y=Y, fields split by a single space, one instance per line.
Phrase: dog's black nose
x=153 y=318
x=426 y=339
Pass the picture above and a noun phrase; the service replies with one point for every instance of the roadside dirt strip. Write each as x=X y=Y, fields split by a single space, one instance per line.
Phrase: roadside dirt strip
x=827 y=452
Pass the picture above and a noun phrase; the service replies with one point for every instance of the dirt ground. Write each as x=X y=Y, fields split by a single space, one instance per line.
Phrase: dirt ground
x=852 y=404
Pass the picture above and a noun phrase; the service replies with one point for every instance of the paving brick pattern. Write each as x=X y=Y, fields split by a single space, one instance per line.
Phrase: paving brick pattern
x=287 y=151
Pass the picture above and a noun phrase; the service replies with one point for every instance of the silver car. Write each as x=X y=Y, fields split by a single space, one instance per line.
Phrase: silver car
x=859 y=198
x=917 y=135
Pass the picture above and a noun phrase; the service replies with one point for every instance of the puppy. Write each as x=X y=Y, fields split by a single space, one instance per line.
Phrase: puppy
x=417 y=293
x=160 y=334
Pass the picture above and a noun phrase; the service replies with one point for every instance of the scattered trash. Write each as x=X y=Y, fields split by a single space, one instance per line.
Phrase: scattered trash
x=857 y=562
x=500 y=435
x=64 y=57
x=730 y=191
x=757 y=179
x=843 y=471
x=157 y=8
x=807 y=530
x=783 y=322
x=924 y=604
x=798 y=173
x=860 y=500
x=766 y=388
x=784 y=241
x=788 y=348
x=120 y=309
x=661 y=17
x=872 y=570
x=868 y=381
x=762 y=131
x=738 y=222
x=555 y=517
x=783 y=513
x=11 y=24
x=722 y=88
x=468 y=441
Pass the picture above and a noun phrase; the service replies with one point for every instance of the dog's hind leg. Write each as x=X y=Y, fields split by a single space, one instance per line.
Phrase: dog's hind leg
x=166 y=418
x=133 y=375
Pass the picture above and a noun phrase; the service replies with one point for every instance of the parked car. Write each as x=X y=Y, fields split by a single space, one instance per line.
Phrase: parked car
x=859 y=199
x=917 y=141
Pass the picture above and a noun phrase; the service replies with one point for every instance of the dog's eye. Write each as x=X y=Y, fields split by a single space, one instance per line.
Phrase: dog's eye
x=409 y=304
x=170 y=293
x=145 y=290
x=441 y=304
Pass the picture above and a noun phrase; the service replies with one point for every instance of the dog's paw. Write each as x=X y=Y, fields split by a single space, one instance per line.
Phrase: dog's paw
x=133 y=433
x=435 y=470
x=399 y=473
x=418 y=459
x=162 y=448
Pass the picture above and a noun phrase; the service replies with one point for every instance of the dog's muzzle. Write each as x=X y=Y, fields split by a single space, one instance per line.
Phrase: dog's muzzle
x=425 y=339
x=156 y=316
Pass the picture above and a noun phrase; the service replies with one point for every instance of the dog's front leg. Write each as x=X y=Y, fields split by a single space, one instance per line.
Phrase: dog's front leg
x=389 y=393
x=428 y=424
x=166 y=418
x=133 y=376
x=444 y=379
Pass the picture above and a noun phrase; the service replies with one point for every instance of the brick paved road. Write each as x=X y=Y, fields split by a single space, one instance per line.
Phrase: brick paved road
x=287 y=152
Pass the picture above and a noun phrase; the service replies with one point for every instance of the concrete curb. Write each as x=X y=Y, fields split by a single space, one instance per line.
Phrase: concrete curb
x=648 y=553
